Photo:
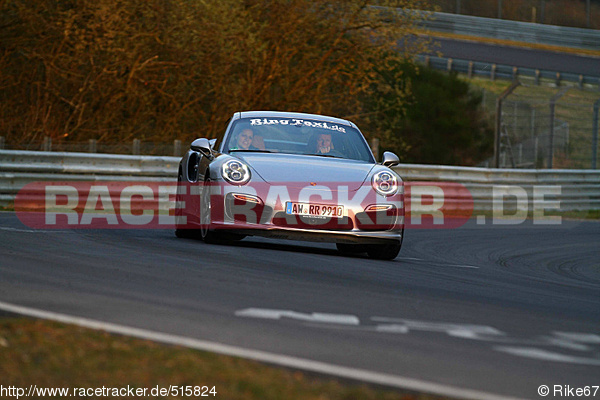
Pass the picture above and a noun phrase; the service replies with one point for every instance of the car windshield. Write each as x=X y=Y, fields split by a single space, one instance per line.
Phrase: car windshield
x=297 y=136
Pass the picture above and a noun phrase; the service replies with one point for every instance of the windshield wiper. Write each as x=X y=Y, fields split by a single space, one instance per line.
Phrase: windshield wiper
x=325 y=155
x=251 y=150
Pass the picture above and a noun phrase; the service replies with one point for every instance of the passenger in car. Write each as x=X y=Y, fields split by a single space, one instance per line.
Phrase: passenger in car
x=244 y=140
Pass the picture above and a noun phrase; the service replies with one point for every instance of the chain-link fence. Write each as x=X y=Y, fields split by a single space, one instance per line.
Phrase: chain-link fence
x=544 y=127
x=574 y=13
x=134 y=147
x=540 y=127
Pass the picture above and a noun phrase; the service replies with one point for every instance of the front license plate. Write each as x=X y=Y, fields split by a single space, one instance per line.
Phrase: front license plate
x=314 y=210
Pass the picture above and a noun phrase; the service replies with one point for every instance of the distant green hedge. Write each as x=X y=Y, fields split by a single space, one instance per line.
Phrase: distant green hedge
x=440 y=121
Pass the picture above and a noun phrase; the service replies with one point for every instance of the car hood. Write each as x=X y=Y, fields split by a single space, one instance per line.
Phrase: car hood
x=299 y=170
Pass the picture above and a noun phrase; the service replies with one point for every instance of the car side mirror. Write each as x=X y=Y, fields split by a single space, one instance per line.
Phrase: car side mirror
x=390 y=159
x=203 y=146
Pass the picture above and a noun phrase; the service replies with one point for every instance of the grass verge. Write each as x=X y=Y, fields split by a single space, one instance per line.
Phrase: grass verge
x=52 y=355
x=511 y=43
x=10 y=207
x=548 y=214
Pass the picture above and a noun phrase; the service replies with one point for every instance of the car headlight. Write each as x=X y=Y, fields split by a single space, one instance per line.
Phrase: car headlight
x=235 y=172
x=385 y=183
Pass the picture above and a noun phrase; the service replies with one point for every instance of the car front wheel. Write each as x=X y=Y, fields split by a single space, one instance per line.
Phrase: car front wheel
x=206 y=233
x=384 y=251
x=180 y=229
x=347 y=248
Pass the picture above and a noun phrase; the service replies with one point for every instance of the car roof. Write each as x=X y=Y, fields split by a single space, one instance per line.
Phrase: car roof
x=285 y=114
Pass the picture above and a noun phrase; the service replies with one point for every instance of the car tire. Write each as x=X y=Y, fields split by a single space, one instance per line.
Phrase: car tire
x=206 y=232
x=185 y=233
x=347 y=248
x=231 y=237
x=181 y=232
x=384 y=251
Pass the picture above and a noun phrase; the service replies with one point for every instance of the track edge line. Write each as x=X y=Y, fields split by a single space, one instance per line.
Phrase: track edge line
x=356 y=374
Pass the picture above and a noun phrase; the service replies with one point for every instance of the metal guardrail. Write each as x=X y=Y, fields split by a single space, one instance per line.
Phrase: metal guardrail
x=514 y=30
x=500 y=71
x=87 y=164
x=18 y=168
x=575 y=189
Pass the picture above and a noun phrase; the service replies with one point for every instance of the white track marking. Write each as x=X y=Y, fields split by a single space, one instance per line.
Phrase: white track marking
x=2 y=228
x=323 y=318
x=464 y=331
x=545 y=355
x=579 y=337
x=271 y=358
x=575 y=341
x=449 y=265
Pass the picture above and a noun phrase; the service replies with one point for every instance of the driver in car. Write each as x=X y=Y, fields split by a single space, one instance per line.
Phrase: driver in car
x=324 y=143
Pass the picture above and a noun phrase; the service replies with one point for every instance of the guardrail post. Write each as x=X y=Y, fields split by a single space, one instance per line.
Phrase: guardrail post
x=588 y=12
x=92 y=147
x=483 y=100
x=543 y=12
x=1 y=142
x=449 y=65
x=515 y=114
x=552 y=114
x=470 y=70
x=499 y=101
x=551 y=145
x=493 y=72
x=177 y=148
x=515 y=73
x=136 y=147
x=520 y=153
x=537 y=77
x=47 y=144
x=375 y=148
x=580 y=81
x=558 y=77
x=595 y=134
x=536 y=142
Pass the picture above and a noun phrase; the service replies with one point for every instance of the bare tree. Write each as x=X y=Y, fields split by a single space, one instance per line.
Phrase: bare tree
x=165 y=69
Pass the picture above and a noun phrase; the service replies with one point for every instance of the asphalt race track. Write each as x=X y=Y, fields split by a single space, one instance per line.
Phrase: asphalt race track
x=518 y=56
x=496 y=308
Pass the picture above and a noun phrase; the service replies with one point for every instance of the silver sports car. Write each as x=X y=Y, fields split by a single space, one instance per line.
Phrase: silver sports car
x=291 y=176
